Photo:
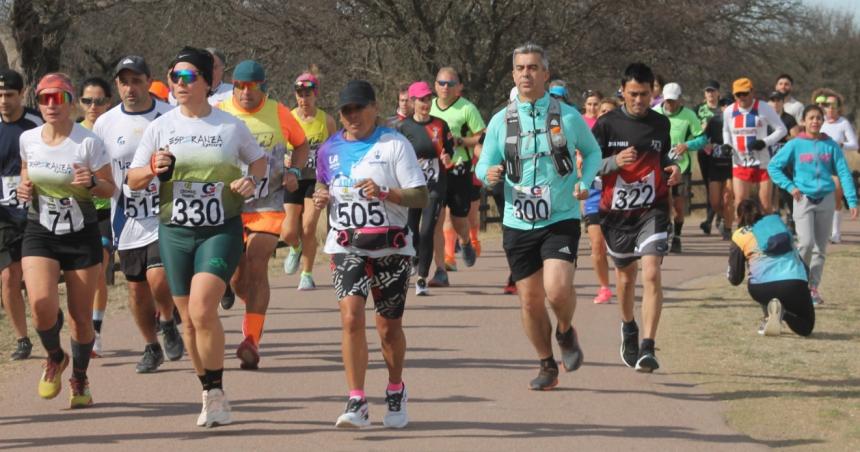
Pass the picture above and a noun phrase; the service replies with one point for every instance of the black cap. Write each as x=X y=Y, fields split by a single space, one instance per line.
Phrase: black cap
x=712 y=85
x=10 y=79
x=356 y=92
x=776 y=95
x=133 y=63
x=201 y=59
x=725 y=101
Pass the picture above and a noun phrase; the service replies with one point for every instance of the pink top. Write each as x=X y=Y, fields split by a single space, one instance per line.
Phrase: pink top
x=589 y=121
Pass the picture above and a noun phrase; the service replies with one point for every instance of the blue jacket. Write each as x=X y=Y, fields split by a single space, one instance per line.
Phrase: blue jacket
x=814 y=161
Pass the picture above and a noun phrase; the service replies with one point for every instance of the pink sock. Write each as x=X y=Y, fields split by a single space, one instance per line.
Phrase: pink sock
x=394 y=387
x=356 y=394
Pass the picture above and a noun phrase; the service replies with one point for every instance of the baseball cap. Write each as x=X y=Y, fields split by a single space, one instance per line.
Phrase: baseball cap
x=10 y=79
x=55 y=80
x=742 y=85
x=307 y=80
x=159 y=90
x=558 y=91
x=249 y=71
x=776 y=95
x=712 y=85
x=672 y=91
x=133 y=63
x=419 y=89
x=356 y=92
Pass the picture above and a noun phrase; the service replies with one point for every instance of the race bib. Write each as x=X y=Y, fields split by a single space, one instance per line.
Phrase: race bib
x=10 y=192
x=60 y=216
x=312 y=157
x=353 y=211
x=430 y=168
x=262 y=188
x=747 y=160
x=197 y=204
x=532 y=204
x=140 y=204
x=633 y=195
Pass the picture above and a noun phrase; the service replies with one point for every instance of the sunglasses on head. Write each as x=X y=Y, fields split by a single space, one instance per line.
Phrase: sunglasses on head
x=305 y=84
x=57 y=98
x=743 y=94
x=97 y=101
x=450 y=83
x=253 y=86
x=187 y=76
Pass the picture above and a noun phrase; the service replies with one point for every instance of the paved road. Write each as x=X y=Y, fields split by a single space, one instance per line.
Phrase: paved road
x=468 y=364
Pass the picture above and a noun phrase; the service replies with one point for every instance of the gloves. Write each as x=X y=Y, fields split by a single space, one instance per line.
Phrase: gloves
x=758 y=145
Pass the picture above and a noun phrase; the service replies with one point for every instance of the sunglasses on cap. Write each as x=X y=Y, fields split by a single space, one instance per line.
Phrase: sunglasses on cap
x=742 y=94
x=305 y=84
x=450 y=83
x=253 y=86
x=187 y=76
x=58 y=98
x=97 y=101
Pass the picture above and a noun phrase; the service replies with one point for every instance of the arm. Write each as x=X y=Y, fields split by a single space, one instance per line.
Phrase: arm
x=727 y=130
x=590 y=151
x=476 y=125
x=330 y=125
x=607 y=164
x=778 y=162
x=774 y=121
x=737 y=265
x=295 y=135
x=696 y=134
x=492 y=154
x=850 y=143
x=844 y=173
x=143 y=166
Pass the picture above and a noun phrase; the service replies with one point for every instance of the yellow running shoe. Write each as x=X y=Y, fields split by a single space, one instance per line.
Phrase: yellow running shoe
x=81 y=397
x=51 y=381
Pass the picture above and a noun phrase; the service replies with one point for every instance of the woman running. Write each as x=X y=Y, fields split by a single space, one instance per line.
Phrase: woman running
x=63 y=166
x=197 y=153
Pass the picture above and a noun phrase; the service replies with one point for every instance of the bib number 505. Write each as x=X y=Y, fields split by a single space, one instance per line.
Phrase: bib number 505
x=359 y=215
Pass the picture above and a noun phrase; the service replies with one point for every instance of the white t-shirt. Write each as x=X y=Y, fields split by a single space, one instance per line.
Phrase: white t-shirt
x=794 y=107
x=842 y=132
x=741 y=137
x=222 y=93
x=134 y=214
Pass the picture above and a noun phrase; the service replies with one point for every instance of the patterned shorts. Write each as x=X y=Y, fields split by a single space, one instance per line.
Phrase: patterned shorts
x=387 y=277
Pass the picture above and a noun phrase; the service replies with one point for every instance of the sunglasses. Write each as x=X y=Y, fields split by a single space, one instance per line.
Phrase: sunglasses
x=744 y=94
x=58 y=98
x=305 y=84
x=97 y=101
x=253 y=86
x=826 y=104
x=450 y=83
x=187 y=76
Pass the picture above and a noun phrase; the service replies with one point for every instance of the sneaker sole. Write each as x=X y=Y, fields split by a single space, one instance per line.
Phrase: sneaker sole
x=78 y=406
x=218 y=422
x=387 y=425
x=774 y=313
x=248 y=361
x=647 y=365
x=621 y=349
x=544 y=388
x=345 y=424
x=148 y=371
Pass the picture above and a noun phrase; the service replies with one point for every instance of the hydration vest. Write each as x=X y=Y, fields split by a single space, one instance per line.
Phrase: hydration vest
x=554 y=134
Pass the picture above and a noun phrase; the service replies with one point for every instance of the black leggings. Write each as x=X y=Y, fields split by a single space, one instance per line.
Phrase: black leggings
x=795 y=299
x=422 y=237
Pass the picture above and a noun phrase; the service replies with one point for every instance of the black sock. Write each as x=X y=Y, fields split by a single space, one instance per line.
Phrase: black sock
x=678 y=226
x=213 y=377
x=51 y=340
x=549 y=363
x=629 y=327
x=561 y=336
x=81 y=358
x=203 y=382
x=97 y=325
x=647 y=345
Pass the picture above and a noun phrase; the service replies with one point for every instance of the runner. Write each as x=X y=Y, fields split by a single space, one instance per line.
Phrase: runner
x=634 y=207
x=196 y=152
x=317 y=126
x=434 y=148
x=591 y=106
x=270 y=123
x=784 y=84
x=783 y=198
x=558 y=90
x=531 y=145
x=686 y=135
x=719 y=170
x=705 y=111
x=368 y=176
x=814 y=159
x=745 y=125
x=63 y=165
x=134 y=214
x=15 y=118
x=404 y=106
x=221 y=90
x=607 y=104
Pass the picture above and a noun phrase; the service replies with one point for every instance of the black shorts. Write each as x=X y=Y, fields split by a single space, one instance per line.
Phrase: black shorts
x=305 y=191
x=459 y=194
x=134 y=263
x=103 y=215
x=11 y=233
x=592 y=219
x=719 y=170
x=74 y=251
x=650 y=238
x=386 y=277
x=527 y=249
x=475 y=195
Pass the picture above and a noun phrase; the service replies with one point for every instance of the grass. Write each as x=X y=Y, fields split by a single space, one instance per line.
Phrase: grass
x=792 y=392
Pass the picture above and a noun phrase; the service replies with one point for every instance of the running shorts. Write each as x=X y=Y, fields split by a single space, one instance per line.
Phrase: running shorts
x=475 y=194
x=754 y=175
x=459 y=194
x=103 y=216
x=265 y=222
x=305 y=191
x=650 y=238
x=719 y=170
x=527 y=249
x=682 y=190
x=74 y=251
x=11 y=233
x=134 y=263
x=386 y=277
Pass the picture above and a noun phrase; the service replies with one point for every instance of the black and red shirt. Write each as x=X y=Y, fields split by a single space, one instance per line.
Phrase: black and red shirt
x=430 y=139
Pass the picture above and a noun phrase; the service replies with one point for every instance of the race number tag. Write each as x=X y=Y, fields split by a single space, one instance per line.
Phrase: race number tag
x=60 y=216
x=352 y=210
x=633 y=195
x=10 y=192
x=312 y=156
x=197 y=204
x=140 y=204
x=532 y=203
x=747 y=160
x=430 y=168
x=262 y=188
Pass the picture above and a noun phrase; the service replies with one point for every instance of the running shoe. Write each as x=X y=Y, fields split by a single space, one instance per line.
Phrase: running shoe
x=306 y=282
x=676 y=245
x=816 y=297
x=476 y=244
x=629 y=345
x=396 y=416
x=216 y=409
x=356 y=414
x=547 y=379
x=174 y=346
x=81 y=396
x=510 y=287
x=23 y=349
x=51 y=381
x=647 y=362
x=571 y=352
x=248 y=354
x=450 y=266
x=97 y=346
x=414 y=270
x=440 y=279
x=772 y=324
x=291 y=263
x=151 y=359
x=705 y=226
x=228 y=298
x=469 y=255
x=719 y=223
x=604 y=295
x=727 y=234
x=421 y=287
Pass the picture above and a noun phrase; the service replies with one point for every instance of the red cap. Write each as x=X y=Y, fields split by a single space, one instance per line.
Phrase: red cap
x=418 y=90
x=55 y=80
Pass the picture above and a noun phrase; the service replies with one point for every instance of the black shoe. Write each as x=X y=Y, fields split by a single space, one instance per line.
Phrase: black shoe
x=547 y=379
x=705 y=226
x=676 y=245
x=647 y=362
x=571 y=353
x=727 y=234
x=630 y=345
x=23 y=350
x=152 y=358
x=228 y=299
x=173 y=343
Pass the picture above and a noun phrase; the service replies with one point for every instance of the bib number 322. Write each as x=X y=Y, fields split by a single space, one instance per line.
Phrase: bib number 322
x=197 y=204
x=633 y=195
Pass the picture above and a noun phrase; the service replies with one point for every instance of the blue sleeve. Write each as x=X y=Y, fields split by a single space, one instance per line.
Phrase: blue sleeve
x=844 y=173
x=783 y=158
x=697 y=143
x=580 y=134
x=494 y=147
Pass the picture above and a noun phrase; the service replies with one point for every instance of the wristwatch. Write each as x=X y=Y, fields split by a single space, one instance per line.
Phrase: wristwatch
x=383 y=192
x=253 y=179
x=93 y=182
x=295 y=171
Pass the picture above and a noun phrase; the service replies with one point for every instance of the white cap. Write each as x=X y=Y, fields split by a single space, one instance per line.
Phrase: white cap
x=514 y=93
x=672 y=91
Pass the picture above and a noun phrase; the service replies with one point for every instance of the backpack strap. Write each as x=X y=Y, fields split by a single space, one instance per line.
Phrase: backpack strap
x=513 y=163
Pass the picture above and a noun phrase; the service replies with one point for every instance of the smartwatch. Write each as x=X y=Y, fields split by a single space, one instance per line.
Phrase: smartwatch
x=295 y=171
x=93 y=182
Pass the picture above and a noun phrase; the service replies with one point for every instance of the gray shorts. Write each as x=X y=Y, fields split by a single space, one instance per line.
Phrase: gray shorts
x=650 y=238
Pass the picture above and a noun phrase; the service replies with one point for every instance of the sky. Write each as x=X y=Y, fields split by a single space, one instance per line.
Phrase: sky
x=852 y=6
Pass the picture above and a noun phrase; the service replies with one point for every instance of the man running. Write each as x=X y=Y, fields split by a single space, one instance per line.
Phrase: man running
x=404 y=106
x=272 y=124
x=705 y=111
x=15 y=118
x=792 y=106
x=134 y=214
x=536 y=137
x=634 y=206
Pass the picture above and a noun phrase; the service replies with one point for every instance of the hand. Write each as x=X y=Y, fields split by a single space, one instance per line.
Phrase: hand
x=674 y=174
x=758 y=145
x=446 y=160
x=368 y=187
x=290 y=182
x=578 y=193
x=243 y=186
x=708 y=149
x=681 y=149
x=25 y=190
x=320 y=198
x=161 y=161
x=626 y=157
x=83 y=176
x=494 y=174
x=796 y=194
x=853 y=211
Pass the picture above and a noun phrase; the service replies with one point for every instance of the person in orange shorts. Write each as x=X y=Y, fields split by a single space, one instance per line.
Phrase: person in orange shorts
x=274 y=126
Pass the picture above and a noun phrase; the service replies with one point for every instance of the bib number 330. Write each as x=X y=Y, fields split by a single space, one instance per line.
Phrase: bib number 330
x=197 y=204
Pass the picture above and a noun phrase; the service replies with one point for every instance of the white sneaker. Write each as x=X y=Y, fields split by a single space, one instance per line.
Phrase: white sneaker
x=396 y=416
x=97 y=345
x=291 y=263
x=216 y=409
x=773 y=324
x=356 y=414
x=421 y=287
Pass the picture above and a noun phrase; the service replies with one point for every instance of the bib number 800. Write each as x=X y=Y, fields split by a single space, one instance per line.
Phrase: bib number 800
x=359 y=215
